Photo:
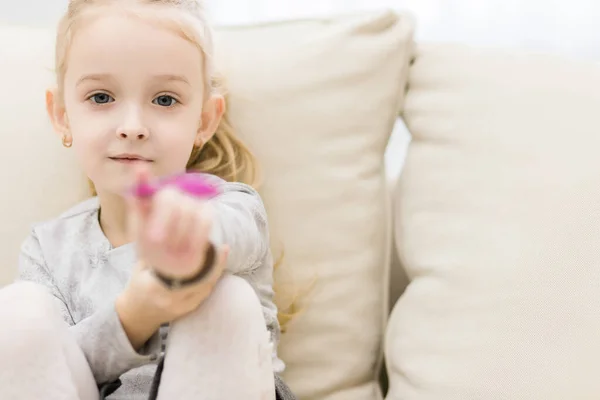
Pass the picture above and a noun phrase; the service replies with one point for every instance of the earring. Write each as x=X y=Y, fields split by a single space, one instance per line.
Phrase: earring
x=66 y=141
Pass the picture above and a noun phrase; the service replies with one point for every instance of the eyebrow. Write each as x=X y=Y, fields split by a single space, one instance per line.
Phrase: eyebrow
x=171 y=77
x=163 y=77
x=92 y=77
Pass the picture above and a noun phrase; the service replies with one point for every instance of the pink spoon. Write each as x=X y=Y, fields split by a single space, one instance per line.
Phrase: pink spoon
x=191 y=183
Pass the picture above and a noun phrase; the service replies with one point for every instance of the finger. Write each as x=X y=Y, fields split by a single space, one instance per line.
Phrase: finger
x=141 y=174
x=138 y=207
x=180 y=238
x=141 y=206
x=198 y=293
x=208 y=282
x=164 y=216
x=138 y=212
x=199 y=235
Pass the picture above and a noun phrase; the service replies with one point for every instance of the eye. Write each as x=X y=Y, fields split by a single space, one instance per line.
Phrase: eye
x=165 y=101
x=101 y=98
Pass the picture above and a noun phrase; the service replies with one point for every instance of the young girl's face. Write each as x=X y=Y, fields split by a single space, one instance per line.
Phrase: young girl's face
x=133 y=94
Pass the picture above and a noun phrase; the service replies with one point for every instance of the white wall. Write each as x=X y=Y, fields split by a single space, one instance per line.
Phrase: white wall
x=31 y=12
x=565 y=26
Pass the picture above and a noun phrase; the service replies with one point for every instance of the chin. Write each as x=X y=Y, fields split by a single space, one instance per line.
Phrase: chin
x=117 y=187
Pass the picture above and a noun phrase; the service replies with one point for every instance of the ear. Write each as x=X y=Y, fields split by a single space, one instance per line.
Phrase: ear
x=57 y=113
x=213 y=111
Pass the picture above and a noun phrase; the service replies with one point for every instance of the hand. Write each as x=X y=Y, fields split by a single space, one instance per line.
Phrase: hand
x=146 y=303
x=171 y=231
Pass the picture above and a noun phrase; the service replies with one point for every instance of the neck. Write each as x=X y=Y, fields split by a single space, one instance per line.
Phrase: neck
x=113 y=219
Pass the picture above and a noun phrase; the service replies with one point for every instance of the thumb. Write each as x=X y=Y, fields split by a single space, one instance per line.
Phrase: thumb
x=139 y=205
x=138 y=212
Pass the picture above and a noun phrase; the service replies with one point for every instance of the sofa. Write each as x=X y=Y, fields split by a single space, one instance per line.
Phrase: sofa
x=474 y=275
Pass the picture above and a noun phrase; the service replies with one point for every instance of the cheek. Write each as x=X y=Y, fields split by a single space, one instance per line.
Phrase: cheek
x=88 y=126
x=89 y=154
x=83 y=121
x=89 y=136
x=175 y=150
x=174 y=139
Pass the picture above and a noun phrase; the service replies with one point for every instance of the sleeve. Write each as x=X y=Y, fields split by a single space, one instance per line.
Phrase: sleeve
x=100 y=336
x=240 y=221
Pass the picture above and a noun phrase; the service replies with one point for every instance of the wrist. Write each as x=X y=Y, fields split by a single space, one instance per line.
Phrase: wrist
x=138 y=324
x=199 y=275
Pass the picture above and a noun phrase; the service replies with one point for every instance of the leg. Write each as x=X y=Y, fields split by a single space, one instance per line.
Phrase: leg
x=220 y=351
x=38 y=357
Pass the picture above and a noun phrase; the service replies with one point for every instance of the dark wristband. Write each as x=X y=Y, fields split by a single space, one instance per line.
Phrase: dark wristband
x=177 y=283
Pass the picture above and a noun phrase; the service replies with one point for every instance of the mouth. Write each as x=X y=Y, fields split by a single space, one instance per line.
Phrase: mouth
x=130 y=159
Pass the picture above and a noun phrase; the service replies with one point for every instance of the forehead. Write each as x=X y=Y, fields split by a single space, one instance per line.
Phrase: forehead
x=131 y=47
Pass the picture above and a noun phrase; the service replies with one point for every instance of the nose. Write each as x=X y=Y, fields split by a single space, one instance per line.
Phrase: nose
x=133 y=134
x=133 y=128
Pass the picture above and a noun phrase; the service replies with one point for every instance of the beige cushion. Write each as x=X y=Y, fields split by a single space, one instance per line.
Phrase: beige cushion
x=316 y=101
x=39 y=176
x=498 y=225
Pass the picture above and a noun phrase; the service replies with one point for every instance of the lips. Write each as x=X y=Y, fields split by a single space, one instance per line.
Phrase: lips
x=130 y=158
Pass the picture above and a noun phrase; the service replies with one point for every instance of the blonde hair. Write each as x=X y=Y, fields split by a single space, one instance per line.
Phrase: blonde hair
x=224 y=155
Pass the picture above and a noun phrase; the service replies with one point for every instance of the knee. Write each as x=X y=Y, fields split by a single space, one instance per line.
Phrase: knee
x=28 y=313
x=234 y=303
x=235 y=297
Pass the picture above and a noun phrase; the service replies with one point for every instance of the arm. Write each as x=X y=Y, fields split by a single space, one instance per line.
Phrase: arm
x=101 y=335
x=240 y=221
x=138 y=326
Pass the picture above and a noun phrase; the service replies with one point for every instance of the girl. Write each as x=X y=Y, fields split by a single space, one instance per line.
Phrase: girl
x=136 y=99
